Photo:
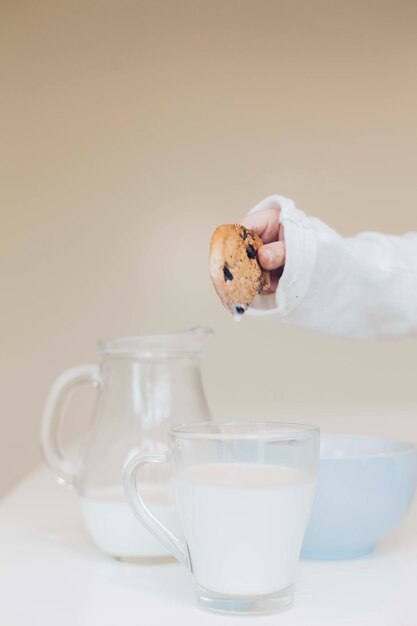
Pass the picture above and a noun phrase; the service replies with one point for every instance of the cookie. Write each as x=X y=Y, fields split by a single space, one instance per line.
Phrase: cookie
x=234 y=267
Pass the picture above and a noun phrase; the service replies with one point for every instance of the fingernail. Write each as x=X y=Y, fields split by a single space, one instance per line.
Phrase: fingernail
x=268 y=256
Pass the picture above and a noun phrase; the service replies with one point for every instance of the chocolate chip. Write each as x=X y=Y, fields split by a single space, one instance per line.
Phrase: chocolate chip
x=244 y=233
x=250 y=251
x=227 y=273
x=240 y=310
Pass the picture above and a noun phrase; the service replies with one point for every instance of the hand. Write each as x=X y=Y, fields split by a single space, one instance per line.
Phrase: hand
x=271 y=255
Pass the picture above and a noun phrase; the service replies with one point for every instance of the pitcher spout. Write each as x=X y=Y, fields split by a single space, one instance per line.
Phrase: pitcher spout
x=199 y=335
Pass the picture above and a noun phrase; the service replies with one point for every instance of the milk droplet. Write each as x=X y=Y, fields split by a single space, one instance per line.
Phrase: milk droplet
x=238 y=311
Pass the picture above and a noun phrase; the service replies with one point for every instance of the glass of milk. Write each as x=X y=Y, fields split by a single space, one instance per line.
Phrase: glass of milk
x=244 y=493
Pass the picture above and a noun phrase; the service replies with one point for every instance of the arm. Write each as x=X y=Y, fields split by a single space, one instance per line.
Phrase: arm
x=360 y=287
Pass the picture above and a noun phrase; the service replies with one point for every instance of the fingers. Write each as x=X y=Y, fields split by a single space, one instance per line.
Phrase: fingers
x=272 y=255
x=265 y=223
x=275 y=276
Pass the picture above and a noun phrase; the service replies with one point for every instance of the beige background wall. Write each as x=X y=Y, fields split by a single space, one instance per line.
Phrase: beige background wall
x=130 y=129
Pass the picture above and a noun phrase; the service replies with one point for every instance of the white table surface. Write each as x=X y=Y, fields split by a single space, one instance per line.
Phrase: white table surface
x=52 y=575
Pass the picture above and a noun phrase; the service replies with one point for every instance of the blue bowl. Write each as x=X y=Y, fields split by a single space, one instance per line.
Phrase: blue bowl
x=365 y=487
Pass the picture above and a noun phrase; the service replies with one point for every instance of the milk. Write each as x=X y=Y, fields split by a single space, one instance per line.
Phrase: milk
x=244 y=525
x=117 y=531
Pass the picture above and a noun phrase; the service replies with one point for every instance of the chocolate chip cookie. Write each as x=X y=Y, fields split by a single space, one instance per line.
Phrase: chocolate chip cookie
x=234 y=267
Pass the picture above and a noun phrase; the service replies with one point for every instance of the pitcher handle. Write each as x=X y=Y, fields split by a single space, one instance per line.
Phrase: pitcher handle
x=176 y=546
x=53 y=414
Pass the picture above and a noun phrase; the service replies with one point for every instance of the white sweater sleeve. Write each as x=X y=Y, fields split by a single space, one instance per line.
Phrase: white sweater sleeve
x=360 y=287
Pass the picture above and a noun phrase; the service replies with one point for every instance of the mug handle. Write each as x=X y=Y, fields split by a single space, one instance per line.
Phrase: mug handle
x=53 y=414
x=176 y=546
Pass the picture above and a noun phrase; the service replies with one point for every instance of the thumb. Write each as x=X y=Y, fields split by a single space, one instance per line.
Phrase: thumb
x=265 y=224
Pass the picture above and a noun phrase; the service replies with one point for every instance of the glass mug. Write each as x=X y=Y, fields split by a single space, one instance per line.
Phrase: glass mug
x=244 y=492
x=145 y=384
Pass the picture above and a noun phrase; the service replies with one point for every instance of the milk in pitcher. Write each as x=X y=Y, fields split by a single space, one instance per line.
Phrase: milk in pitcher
x=115 y=528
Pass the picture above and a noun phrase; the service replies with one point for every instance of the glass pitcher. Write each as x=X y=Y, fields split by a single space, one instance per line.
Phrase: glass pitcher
x=145 y=385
